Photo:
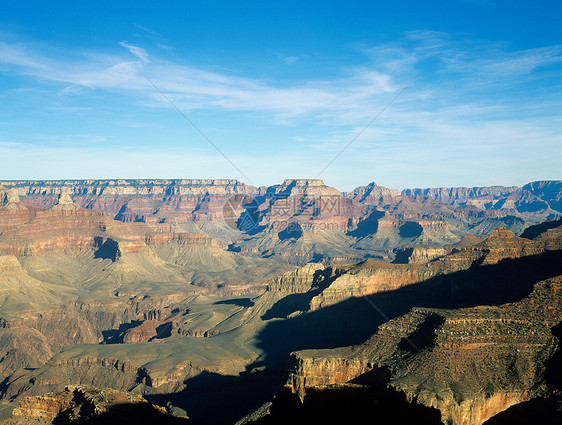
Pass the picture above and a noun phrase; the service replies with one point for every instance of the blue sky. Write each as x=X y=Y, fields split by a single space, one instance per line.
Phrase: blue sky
x=281 y=88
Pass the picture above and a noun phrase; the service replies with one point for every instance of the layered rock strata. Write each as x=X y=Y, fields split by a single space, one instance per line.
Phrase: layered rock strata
x=78 y=403
x=469 y=363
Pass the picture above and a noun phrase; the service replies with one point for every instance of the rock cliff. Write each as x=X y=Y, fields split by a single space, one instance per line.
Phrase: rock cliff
x=152 y=304
x=370 y=277
x=534 y=197
x=272 y=221
x=9 y=200
x=469 y=363
x=79 y=404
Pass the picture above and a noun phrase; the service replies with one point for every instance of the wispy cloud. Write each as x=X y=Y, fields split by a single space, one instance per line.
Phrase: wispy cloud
x=149 y=31
x=139 y=52
x=11 y=144
x=74 y=139
x=196 y=88
x=132 y=124
x=359 y=88
x=492 y=64
x=472 y=101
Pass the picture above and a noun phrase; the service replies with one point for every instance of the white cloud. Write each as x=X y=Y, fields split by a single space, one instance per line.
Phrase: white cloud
x=139 y=52
x=290 y=59
x=195 y=88
x=452 y=119
x=73 y=139
x=11 y=144
x=149 y=31
x=356 y=94
x=493 y=64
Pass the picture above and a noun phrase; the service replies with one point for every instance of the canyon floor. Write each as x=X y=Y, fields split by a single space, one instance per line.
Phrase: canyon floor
x=214 y=302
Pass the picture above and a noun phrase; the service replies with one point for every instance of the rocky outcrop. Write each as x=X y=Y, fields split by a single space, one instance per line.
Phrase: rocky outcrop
x=67 y=227
x=271 y=221
x=9 y=200
x=298 y=206
x=33 y=338
x=149 y=201
x=544 y=197
x=370 y=276
x=549 y=191
x=450 y=195
x=10 y=266
x=470 y=363
x=372 y=194
x=297 y=281
x=420 y=254
x=311 y=371
x=64 y=202
x=303 y=187
x=78 y=403
x=130 y=187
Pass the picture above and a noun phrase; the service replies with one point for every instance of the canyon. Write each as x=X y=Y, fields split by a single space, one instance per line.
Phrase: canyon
x=299 y=221
x=234 y=303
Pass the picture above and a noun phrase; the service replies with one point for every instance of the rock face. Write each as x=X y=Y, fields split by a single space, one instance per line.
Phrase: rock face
x=139 y=200
x=298 y=281
x=549 y=191
x=66 y=226
x=64 y=202
x=542 y=195
x=298 y=206
x=373 y=194
x=303 y=220
x=469 y=361
x=98 y=405
x=372 y=277
x=103 y=281
x=131 y=187
x=9 y=200
x=304 y=187
x=153 y=303
x=470 y=364
x=420 y=255
x=463 y=194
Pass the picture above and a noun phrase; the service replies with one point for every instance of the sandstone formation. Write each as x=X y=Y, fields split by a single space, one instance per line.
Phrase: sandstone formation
x=303 y=220
x=533 y=197
x=139 y=200
x=103 y=281
x=164 y=298
x=371 y=277
x=373 y=194
x=469 y=363
x=9 y=200
x=77 y=404
x=464 y=194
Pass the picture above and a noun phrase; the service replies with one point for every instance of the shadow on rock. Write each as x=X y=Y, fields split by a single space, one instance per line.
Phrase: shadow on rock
x=541 y=411
x=354 y=320
x=348 y=405
x=138 y=414
x=214 y=398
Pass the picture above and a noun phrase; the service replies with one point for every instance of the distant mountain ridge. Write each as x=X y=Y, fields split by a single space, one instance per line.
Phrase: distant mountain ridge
x=531 y=197
x=302 y=220
x=549 y=191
